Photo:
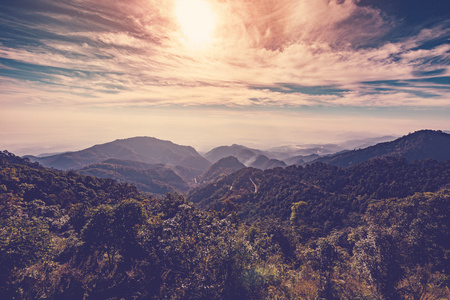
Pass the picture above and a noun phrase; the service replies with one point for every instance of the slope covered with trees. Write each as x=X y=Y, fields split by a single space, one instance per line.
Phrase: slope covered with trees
x=424 y=144
x=151 y=178
x=263 y=162
x=334 y=195
x=69 y=236
x=361 y=233
x=222 y=168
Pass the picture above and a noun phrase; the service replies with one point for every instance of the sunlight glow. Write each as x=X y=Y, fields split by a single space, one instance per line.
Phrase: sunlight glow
x=197 y=20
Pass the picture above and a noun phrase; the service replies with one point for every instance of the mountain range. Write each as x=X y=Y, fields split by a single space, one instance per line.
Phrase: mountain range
x=159 y=166
x=291 y=154
x=135 y=160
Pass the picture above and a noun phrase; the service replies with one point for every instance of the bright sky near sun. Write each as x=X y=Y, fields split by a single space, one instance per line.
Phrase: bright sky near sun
x=74 y=73
x=197 y=21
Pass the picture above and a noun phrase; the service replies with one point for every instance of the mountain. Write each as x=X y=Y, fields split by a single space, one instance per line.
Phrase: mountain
x=272 y=158
x=424 y=144
x=285 y=152
x=263 y=162
x=141 y=149
x=282 y=155
x=291 y=154
x=242 y=153
x=152 y=178
x=222 y=168
x=301 y=159
x=366 y=142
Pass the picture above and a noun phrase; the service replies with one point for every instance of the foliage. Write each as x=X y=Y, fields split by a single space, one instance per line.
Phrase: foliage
x=336 y=197
x=157 y=178
x=379 y=230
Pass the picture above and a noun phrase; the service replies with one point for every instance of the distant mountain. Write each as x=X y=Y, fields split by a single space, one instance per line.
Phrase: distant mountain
x=301 y=159
x=222 y=168
x=284 y=155
x=366 y=142
x=285 y=152
x=152 y=178
x=140 y=149
x=424 y=144
x=260 y=158
x=242 y=153
x=263 y=162
x=292 y=154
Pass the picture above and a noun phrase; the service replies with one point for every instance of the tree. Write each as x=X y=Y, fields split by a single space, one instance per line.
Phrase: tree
x=22 y=242
x=379 y=260
x=298 y=210
x=129 y=215
x=98 y=233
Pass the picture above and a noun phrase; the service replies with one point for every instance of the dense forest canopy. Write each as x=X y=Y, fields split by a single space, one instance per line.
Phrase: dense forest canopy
x=335 y=196
x=377 y=230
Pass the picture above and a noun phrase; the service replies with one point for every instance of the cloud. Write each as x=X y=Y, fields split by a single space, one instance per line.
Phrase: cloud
x=274 y=53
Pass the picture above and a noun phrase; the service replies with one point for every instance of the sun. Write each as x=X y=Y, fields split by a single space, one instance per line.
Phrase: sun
x=197 y=21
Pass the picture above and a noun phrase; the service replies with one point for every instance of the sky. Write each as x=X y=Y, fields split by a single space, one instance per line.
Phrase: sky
x=205 y=73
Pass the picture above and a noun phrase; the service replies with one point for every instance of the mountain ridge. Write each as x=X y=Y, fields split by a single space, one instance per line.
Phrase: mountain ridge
x=145 y=161
x=147 y=150
x=422 y=144
x=222 y=168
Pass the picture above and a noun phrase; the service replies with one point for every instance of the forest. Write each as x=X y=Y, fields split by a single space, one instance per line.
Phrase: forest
x=376 y=230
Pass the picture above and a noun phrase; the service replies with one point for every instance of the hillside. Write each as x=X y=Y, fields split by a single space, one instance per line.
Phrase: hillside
x=242 y=153
x=332 y=193
x=222 y=168
x=424 y=144
x=377 y=230
x=301 y=159
x=157 y=178
x=142 y=149
x=263 y=162
x=21 y=179
x=69 y=236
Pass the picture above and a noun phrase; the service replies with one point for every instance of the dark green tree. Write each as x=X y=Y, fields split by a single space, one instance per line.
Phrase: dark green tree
x=22 y=242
